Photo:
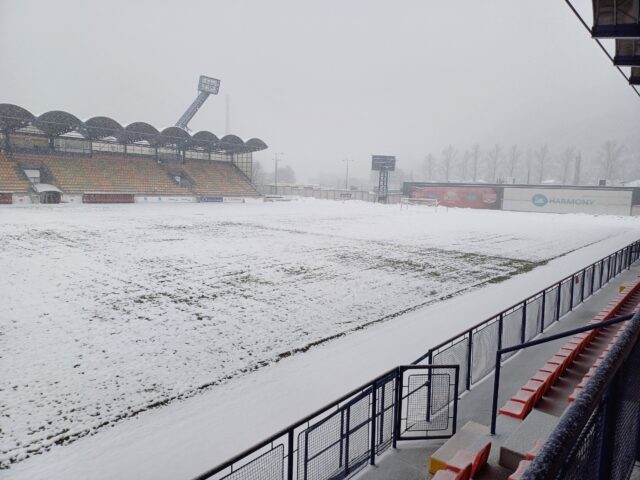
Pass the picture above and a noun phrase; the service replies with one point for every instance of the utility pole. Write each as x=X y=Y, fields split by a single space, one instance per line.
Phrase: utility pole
x=275 y=176
x=346 y=179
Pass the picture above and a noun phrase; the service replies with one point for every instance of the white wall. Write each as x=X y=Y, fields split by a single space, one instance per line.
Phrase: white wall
x=163 y=199
x=605 y=202
x=66 y=198
x=21 y=199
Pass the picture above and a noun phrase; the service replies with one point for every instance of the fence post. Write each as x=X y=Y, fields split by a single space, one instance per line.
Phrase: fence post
x=455 y=399
x=573 y=281
x=500 y=328
x=584 y=276
x=544 y=306
x=397 y=408
x=346 y=442
x=496 y=387
x=372 y=458
x=558 y=301
x=601 y=273
x=430 y=357
x=469 y=359
x=593 y=277
x=290 y=457
x=523 y=326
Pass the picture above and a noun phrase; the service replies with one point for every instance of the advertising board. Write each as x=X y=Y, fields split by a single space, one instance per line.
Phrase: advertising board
x=458 y=197
x=567 y=200
x=383 y=162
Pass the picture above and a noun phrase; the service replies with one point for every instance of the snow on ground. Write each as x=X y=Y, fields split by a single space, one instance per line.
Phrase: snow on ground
x=111 y=309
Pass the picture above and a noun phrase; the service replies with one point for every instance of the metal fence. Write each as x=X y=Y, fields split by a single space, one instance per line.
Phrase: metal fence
x=412 y=402
x=408 y=402
x=474 y=349
x=599 y=436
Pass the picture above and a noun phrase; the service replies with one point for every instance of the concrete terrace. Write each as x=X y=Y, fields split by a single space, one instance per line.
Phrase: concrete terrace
x=410 y=460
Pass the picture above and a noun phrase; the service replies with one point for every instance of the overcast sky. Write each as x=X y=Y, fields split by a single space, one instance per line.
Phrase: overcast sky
x=324 y=80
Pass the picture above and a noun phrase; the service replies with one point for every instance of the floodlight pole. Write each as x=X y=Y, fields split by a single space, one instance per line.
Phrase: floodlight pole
x=346 y=180
x=275 y=173
x=206 y=86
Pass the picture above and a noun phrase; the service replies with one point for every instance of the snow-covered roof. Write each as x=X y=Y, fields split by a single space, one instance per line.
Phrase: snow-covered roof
x=45 y=187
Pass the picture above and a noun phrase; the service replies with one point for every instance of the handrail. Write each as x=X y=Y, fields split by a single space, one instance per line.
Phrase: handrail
x=623 y=258
x=533 y=343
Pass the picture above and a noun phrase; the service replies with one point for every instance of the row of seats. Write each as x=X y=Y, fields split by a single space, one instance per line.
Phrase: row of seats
x=521 y=404
x=121 y=174
x=10 y=178
x=217 y=178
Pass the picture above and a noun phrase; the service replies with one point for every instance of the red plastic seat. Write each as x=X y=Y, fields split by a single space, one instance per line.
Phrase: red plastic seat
x=574 y=394
x=451 y=475
x=522 y=467
x=535 y=450
x=554 y=369
x=517 y=410
x=523 y=396
x=462 y=458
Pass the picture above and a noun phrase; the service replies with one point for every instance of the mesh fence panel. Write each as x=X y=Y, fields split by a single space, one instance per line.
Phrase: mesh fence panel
x=565 y=296
x=627 y=418
x=485 y=344
x=338 y=445
x=268 y=466
x=455 y=354
x=577 y=289
x=385 y=395
x=441 y=397
x=534 y=318
x=512 y=330
x=605 y=271
x=551 y=306
x=588 y=279
x=597 y=279
x=359 y=434
x=579 y=464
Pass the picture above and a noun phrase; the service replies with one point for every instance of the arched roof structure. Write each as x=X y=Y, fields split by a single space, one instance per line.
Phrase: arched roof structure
x=103 y=127
x=138 y=131
x=57 y=122
x=204 y=139
x=173 y=136
x=13 y=117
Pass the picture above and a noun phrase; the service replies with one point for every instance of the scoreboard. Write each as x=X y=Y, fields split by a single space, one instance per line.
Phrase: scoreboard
x=383 y=162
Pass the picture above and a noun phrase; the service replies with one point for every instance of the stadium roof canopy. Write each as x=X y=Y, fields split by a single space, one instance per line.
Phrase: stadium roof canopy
x=57 y=122
x=205 y=140
x=13 y=117
x=104 y=127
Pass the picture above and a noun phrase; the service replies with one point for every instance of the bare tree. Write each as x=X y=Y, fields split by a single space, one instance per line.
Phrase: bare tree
x=610 y=158
x=258 y=174
x=576 y=169
x=464 y=166
x=529 y=165
x=514 y=156
x=427 y=166
x=493 y=162
x=542 y=157
x=567 y=157
x=475 y=156
x=448 y=157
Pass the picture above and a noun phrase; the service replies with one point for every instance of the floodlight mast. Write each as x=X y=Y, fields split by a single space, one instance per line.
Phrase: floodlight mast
x=206 y=87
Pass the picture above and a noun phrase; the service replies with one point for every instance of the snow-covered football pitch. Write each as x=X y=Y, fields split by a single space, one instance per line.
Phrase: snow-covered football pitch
x=107 y=311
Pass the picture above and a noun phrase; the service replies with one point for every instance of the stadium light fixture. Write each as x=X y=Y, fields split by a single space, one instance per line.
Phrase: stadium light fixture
x=206 y=86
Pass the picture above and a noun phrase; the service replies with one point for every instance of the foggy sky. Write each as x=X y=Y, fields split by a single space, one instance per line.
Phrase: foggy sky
x=325 y=80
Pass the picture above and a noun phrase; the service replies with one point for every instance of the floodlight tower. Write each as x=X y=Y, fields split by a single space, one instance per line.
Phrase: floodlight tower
x=206 y=86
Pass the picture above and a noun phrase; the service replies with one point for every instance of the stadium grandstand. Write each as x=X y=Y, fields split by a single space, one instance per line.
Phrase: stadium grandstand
x=56 y=157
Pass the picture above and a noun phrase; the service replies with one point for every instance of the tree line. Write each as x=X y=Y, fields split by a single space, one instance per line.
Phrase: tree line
x=514 y=164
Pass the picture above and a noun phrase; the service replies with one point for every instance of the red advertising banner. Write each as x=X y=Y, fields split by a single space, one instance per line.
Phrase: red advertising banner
x=460 y=197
